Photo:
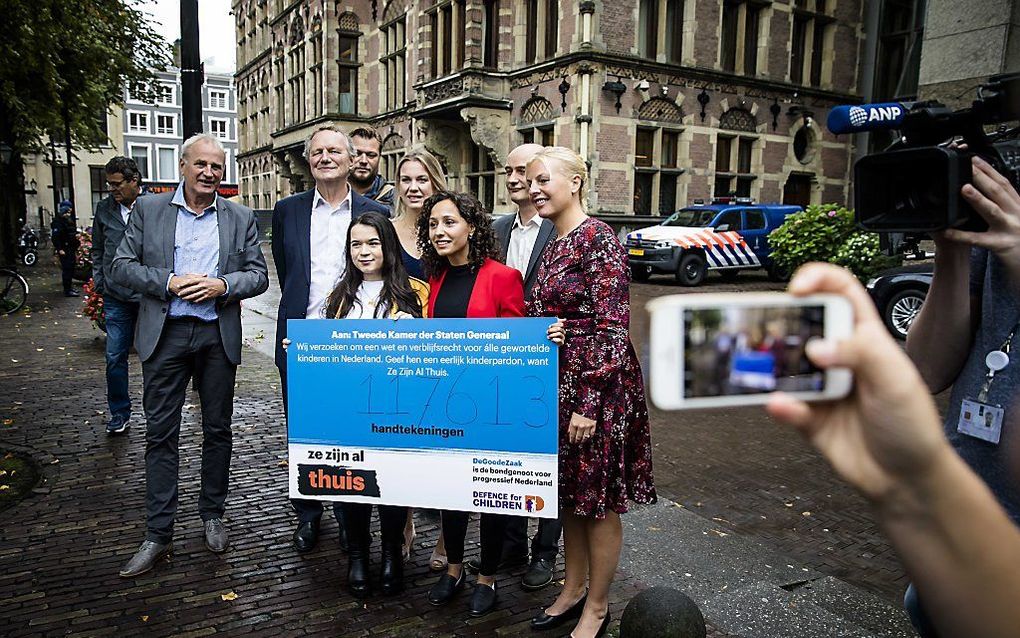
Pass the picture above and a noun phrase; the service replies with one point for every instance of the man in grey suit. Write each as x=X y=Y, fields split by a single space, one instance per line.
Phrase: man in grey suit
x=192 y=256
x=523 y=238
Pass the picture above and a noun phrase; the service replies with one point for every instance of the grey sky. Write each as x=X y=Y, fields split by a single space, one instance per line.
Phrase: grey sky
x=215 y=29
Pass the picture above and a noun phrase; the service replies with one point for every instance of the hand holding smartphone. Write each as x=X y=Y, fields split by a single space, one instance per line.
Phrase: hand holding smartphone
x=719 y=350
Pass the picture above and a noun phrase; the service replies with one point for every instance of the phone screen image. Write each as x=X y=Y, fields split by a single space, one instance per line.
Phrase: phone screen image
x=738 y=350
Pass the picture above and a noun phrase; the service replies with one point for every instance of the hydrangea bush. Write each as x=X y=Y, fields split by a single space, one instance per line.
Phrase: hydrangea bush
x=827 y=233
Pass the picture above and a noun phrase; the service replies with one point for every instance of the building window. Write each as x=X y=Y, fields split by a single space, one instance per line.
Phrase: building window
x=347 y=63
x=481 y=177
x=656 y=35
x=741 y=21
x=448 y=37
x=733 y=165
x=100 y=189
x=392 y=151
x=490 y=34
x=543 y=29
x=394 y=62
x=656 y=161
x=140 y=154
x=165 y=94
x=219 y=128
x=217 y=99
x=544 y=135
x=138 y=122
x=296 y=82
x=281 y=96
x=316 y=70
x=899 y=49
x=811 y=26
x=166 y=163
x=166 y=124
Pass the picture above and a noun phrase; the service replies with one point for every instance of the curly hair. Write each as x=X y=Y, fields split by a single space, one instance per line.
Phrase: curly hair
x=481 y=243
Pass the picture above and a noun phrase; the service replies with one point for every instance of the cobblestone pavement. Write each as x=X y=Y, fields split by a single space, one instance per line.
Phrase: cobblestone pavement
x=61 y=548
x=755 y=478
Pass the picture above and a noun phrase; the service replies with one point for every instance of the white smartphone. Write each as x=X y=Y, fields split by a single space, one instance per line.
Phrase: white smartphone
x=728 y=349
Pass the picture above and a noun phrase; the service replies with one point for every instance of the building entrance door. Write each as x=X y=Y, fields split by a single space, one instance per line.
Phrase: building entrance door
x=798 y=190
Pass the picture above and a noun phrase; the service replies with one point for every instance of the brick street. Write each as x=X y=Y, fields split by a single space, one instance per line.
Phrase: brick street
x=62 y=547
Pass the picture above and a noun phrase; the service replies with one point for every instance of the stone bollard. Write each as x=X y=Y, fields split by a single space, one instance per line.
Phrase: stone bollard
x=661 y=612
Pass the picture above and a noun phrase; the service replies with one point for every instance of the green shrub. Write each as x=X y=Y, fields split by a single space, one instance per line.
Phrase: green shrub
x=827 y=233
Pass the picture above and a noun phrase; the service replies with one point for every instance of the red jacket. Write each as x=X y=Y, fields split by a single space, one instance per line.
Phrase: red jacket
x=498 y=292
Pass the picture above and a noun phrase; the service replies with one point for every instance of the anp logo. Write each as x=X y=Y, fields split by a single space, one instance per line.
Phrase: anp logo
x=858 y=115
x=533 y=503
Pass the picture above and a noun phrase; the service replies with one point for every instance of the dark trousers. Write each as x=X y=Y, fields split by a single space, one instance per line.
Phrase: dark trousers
x=358 y=518
x=121 y=317
x=186 y=347
x=307 y=510
x=67 y=261
x=493 y=529
x=545 y=544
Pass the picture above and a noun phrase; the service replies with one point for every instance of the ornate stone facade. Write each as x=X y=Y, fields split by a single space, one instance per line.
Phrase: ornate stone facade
x=700 y=84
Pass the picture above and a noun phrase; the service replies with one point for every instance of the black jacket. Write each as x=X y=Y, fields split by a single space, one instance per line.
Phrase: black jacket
x=107 y=230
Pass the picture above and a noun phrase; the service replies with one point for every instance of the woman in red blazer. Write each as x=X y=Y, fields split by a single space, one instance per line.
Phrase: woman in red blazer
x=457 y=244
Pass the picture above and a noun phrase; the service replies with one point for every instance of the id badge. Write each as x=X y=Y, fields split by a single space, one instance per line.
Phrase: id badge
x=981 y=421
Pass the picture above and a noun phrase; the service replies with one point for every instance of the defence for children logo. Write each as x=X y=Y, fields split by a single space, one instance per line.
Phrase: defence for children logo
x=533 y=503
x=328 y=480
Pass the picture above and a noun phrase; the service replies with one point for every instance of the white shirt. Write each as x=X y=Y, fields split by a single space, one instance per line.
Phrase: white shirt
x=125 y=213
x=328 y=244
x=522 y=243
x=368 y=299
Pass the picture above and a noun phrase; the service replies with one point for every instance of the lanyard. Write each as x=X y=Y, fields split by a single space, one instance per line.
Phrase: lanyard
x=996 y=360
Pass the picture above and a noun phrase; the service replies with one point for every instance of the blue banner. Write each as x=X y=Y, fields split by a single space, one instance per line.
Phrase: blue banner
x=414 y=384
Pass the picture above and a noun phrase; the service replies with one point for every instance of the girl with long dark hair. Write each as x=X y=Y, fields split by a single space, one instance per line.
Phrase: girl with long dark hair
x=375 y=285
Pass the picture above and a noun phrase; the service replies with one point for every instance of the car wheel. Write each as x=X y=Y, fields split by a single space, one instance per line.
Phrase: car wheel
x=691 y=270
x=640 y=273
x=901 y=311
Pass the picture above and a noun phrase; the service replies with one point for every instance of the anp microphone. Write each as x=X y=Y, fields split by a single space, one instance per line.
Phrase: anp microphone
x=867 y=117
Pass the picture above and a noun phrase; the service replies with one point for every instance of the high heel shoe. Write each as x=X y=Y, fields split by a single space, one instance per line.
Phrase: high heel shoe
x=438 y=561
x=545 y=621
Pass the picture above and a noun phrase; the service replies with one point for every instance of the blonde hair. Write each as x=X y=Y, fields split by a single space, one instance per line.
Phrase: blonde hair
x=432 y=168
x=568 y=163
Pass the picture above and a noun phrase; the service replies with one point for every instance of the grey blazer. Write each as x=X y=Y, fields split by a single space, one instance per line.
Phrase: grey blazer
x=546 y=233
x=145 y=259
x=107 y=231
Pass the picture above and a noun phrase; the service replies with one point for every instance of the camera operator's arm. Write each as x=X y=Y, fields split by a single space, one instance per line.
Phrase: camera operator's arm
x=947 y=318
x=885 y=439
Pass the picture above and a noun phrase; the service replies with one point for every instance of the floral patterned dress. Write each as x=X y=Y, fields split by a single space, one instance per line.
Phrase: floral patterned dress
x=583 y=279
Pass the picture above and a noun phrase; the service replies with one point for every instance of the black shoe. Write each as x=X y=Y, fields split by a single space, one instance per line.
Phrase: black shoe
x=357 y=572
x=117 y=424
x=71 y=293
x=306 y=536
x=145 y=558
x=475 y=564
x=392 y=575
x=544 y=621
x=539 y=574
x=483 y=599
x=444 y=590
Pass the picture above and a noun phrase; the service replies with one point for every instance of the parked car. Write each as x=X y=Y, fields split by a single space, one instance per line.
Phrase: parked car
x=898 y=293
x=728 y=235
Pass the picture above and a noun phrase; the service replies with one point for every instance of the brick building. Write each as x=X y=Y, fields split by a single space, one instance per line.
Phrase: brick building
x=670 y=100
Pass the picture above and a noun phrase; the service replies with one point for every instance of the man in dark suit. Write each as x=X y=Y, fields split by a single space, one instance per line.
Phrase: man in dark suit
x=523 y=237
x=192 y=256
x=309 y=248
x=120 y=304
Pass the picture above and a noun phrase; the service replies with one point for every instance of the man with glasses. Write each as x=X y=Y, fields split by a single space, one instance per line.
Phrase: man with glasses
x=120 y=303
x=365 y=177
x=309 y=248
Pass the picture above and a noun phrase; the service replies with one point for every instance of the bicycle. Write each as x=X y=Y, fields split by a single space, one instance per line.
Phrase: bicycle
x=13 y=291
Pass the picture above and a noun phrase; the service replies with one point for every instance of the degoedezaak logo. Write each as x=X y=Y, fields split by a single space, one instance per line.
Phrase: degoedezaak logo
x=326 y=480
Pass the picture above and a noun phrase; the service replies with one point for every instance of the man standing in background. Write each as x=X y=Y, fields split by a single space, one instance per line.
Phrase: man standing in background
x=365 y=177
x=120 y=303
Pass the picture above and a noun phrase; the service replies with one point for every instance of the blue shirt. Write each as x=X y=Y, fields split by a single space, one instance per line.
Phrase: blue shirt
x=196 y=251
